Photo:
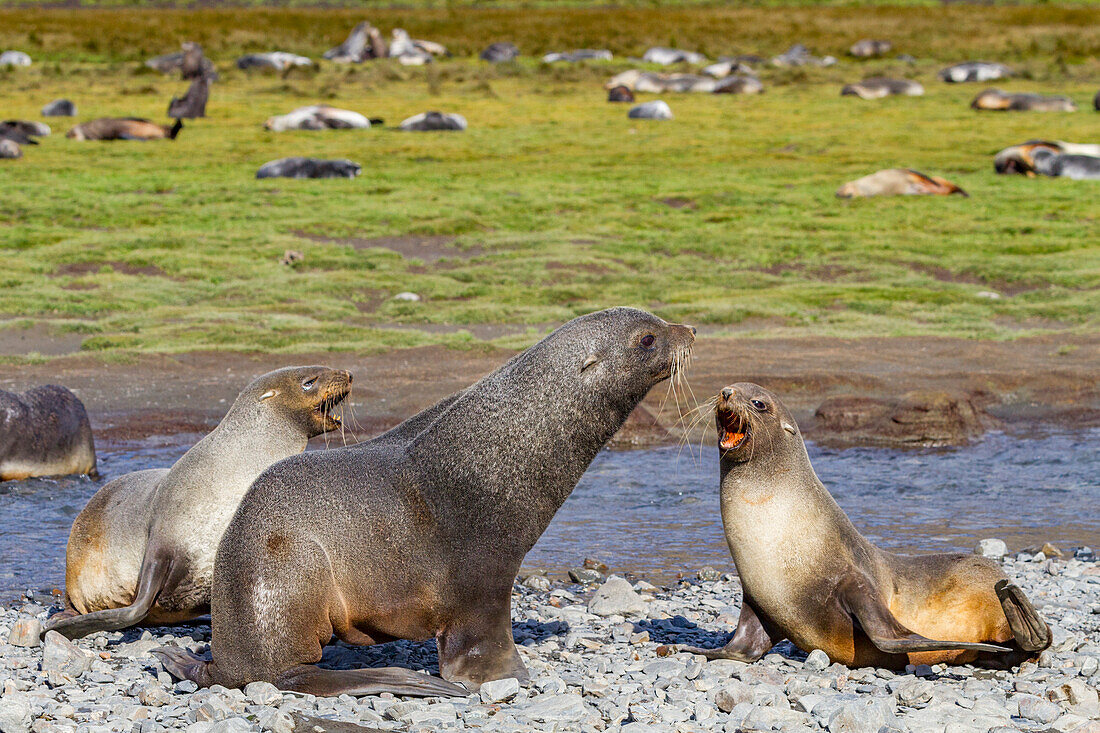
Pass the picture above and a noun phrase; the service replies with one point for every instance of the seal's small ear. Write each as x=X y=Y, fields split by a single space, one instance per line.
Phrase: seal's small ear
x=592 y=359
x=788 y=427
x=268 y=394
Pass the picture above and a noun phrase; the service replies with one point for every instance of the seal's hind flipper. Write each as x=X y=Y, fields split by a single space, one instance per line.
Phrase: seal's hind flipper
x=153 y=577
x=860 y=599
x=749 y=642
x=396 y=680
x=1031 y=632
x=183 y=664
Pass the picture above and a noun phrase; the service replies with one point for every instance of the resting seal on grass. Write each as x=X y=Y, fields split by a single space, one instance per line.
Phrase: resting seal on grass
x=879 y=87
x=898 y=182
x=44 y=432
x=974 y=71
x=423 y=538
x=995 y=99
x=308 y=168
x=809 y=576
x=142 y=550
x=124 y=128
x=1020 y=158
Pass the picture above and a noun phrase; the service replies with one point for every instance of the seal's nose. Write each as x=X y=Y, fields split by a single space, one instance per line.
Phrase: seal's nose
x=693 y=331
x=728 y=393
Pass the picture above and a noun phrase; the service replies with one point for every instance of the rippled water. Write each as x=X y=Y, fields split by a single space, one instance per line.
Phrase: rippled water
x=655 y=512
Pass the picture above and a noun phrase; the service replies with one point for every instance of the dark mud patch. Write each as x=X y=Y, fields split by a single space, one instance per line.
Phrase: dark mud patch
x=1004 y=287
x=429 y=248
x=141 y=424
x=80 y=269
x=38 y=339
x=679 y=202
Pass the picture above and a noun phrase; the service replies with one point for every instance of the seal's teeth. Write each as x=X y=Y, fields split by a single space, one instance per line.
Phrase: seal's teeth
x=731 y=440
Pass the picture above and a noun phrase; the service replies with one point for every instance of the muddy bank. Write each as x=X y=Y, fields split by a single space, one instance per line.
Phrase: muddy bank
x=897 y=391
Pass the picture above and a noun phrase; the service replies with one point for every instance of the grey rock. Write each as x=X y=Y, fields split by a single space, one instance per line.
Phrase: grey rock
x=991 y=548
x=26 y=632
x=911 y=692
x=816 y=661
x=584 y=576
x=15 y=715
x=861 y=716
x=1037 y=709
x=64 y=657
x=555 y=708
x=731 y=694
x=263 y=693
x=499 y=690
x=616 y=597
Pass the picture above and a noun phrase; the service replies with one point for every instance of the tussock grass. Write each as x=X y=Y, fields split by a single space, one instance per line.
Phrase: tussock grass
x=556 y=202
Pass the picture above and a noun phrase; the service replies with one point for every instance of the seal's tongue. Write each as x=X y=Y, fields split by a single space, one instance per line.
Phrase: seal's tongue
x=731 y=440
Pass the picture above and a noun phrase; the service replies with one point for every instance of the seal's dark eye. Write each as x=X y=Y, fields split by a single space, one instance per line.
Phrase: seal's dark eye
x=648 y=341
x=762 y=406
x=308 y=384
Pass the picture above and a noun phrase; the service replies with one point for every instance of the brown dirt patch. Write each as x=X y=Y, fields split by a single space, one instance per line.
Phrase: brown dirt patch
x=426 y=248
x=679 y=202
x=38 y=339
x=79 y=269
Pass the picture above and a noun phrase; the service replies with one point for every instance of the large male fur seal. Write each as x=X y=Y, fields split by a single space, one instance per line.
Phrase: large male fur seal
x=142 y=550
x=809 y=576
x=124 y=128
x=411 y=539
x=44 y=432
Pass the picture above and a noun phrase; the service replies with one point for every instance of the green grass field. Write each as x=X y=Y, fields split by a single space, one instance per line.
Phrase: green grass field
x=556 y=202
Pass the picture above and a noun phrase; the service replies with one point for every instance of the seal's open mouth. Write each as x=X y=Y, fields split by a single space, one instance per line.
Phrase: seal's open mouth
x=333 y=397
x=732 y=429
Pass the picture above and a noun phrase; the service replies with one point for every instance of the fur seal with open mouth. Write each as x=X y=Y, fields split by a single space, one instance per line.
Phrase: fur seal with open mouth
x=421 y=538
x=44 y=432
x=124 y=128
x=898 y=182
x=142 y=550
x=808 y=575
x=995 y=99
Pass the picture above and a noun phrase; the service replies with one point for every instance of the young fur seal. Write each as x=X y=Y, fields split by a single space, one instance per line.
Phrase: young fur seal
x=809 y=576
x=898 y=182
x=421 y=538
x=44 y=432
x=142 y=550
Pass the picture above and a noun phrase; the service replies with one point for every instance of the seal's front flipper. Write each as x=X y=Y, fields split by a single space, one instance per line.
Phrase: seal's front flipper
x=750 y=641
x=396 y=680
x=153 y=576
x=1031 y=632
x=860 y=599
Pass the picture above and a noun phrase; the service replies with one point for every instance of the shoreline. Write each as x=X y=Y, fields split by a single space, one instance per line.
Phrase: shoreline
x=601 y=666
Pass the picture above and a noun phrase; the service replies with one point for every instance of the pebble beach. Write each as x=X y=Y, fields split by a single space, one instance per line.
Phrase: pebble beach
x=600 y=660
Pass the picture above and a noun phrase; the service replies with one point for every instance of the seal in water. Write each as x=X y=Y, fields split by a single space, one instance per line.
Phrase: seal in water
x=142 y=550
x=879 y=87
x=974 y=71
x=308 y=168
x=124 y=128
x=995 y=99
x=421 y=538
x=809 y=576
x=898 y=182
x=44 y=432
x=1018 y=158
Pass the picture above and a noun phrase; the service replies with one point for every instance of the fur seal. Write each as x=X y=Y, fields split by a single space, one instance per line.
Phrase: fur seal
x=799 y=55
x=668 y=56
x=414 y=51
x=498 y=52
x=726 y=66
x=309 y=168
x=739 y=84
x=421 y=537
x=432 y=121
x=620 y=94
x=16 y=133
x=184 y=63
x=44 y=432
x=9 y=150
x=974 y=71
x=142 y=550
x=870 y=48
x=193 y=103
x=317 y=117
x=30 y=128
x=809 y=576
x=581 y=54
x=364 y=42
x=995 y=99
x=124 y=128
x=1018 y=158
x=649 y=82
x=898 y=182
x=878 y=87
x=277 y=60
x=1074 y=167
x=655 y=110
x=59 y=108
x=14 y=58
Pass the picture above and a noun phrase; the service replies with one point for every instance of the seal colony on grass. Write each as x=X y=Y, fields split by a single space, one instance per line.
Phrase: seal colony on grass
x=861 y=605
x=44 y=432
x=142 y=550
x=421 y=538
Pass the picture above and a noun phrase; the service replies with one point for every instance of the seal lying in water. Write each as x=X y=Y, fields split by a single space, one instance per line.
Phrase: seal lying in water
x=870 y=48
x=1018 y=158
x=44 y=432
x=124 y=128
x=879 y=87
x=995 y=99
x=809 y=576
x=974 y=71
x=411 y=539
x=434 y=121
x=308 y=168
x=318 y=117
x=898 y=182
x=142 y=550
x=276 y=60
